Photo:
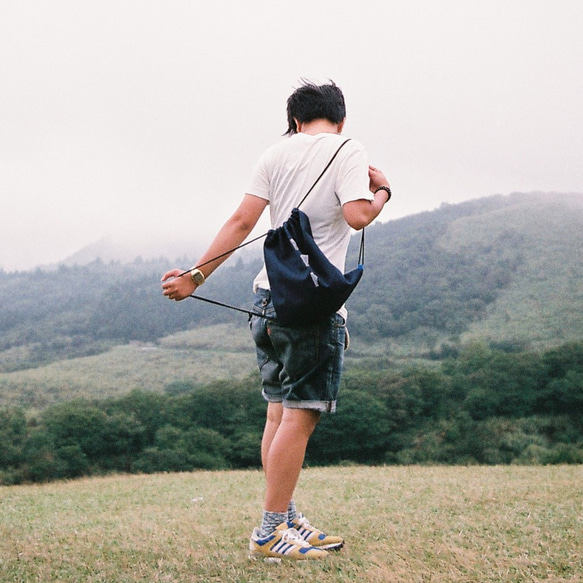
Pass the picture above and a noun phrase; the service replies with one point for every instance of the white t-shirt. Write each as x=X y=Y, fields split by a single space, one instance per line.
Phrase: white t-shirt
x=287 y=170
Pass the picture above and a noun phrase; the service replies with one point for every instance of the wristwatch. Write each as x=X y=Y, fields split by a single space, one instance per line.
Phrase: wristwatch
x=197 y=276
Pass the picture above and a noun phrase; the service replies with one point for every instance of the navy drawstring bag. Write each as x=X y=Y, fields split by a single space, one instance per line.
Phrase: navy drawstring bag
x=306 y=288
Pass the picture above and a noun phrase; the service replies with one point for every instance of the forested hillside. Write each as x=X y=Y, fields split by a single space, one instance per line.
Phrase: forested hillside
x=84 y=310
x=506 y=269
x=484 y=406
x=467 y=348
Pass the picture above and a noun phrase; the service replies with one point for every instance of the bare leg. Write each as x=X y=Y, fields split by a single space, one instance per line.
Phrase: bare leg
x=274 y=414
x=283 y=454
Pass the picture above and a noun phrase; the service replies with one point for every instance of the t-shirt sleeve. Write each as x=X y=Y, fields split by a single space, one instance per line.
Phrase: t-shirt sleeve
x=353 y=181
x=259 y=182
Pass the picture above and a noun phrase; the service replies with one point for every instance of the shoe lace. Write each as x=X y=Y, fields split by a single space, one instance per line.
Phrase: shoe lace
x=291 y=535
x=303 y=521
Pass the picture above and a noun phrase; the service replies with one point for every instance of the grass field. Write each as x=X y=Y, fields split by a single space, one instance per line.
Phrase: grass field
x=201 y=356
x=439 y=524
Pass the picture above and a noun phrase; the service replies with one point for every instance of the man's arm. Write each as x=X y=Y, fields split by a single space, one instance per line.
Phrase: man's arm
x=362 y=212
x=231 y=235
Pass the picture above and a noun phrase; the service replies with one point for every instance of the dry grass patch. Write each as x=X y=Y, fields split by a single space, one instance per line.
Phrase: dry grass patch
x=405 y=524
x=200 y=356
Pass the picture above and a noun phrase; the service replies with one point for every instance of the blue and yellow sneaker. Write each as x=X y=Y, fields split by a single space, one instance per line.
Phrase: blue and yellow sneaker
x=283 y=543
x=315 y=537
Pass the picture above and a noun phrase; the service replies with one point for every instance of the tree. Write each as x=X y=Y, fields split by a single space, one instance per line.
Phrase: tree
x=13 y=433
x=359 y=432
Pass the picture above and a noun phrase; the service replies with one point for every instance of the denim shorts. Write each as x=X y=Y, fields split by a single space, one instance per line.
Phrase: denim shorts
x=300 y=367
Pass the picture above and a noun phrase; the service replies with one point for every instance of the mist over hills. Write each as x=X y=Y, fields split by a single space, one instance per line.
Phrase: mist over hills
x=148 y=246
x=119 y=249
x=503 y=269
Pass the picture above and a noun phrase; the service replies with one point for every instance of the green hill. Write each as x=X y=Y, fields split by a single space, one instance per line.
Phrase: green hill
x=504 y=269
x=543 y=302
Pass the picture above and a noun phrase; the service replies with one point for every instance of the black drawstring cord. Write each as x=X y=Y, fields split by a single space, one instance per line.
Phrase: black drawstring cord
x=323 y=172
x=222 y=255
x=249 y=312
x=265 y=234
x=216 y=303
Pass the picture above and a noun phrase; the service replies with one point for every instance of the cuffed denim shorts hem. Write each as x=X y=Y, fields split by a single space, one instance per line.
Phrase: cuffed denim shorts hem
x=324 y=406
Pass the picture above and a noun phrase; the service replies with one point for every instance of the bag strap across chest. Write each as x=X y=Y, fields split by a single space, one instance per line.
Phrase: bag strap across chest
x=323 y=172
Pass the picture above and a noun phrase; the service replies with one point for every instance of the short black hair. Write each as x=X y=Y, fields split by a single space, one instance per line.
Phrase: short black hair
x=310 y=101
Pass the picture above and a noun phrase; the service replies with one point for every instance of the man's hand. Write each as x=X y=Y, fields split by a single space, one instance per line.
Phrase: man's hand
x=377 y=178
x=177 y=288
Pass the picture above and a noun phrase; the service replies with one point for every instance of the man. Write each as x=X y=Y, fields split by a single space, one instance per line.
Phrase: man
x=300 y=366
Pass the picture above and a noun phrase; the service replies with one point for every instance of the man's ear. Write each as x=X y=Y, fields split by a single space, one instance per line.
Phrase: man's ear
x=341 y=126
x=298 y=125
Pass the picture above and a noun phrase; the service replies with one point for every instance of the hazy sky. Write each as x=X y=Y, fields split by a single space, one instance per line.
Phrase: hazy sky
x=143 y=119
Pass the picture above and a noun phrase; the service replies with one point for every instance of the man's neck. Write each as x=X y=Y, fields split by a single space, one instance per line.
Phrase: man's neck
x=319 y=126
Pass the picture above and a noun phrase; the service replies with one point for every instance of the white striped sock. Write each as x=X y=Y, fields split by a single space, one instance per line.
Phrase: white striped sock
x=271 y=520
